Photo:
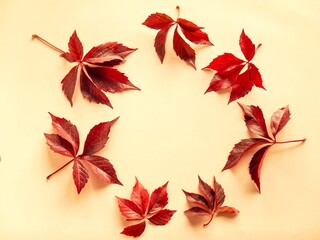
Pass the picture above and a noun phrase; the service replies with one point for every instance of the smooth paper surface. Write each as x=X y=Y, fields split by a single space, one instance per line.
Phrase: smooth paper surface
x=168 y=131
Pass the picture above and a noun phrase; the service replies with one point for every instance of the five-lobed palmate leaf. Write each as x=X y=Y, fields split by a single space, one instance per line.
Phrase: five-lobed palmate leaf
x=143 y=207
x=94 y=70
x=192 y=32
x=209 y=202
x=230 y=71
x=256 y=125
x=66 y=142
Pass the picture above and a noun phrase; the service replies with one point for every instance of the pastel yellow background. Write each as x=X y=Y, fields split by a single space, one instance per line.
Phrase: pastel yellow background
x=168 y=131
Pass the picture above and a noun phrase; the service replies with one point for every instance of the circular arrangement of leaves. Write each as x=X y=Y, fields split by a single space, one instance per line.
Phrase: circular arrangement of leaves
x=97 y=76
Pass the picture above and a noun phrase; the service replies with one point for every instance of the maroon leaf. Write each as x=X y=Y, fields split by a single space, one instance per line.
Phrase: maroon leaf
x=230 y=74
x=67 y=131
x=59 y=145
x=110 y=79
x=198 y=202
x=91 y=92
x=256 y=164
x=256 y=124
x=279 y=119
x=242 y=148
x=135 y=230
x=80 y=175
x=142 y=207
x=228 y=210
x=94 y=69
x=192 y=32
x=66 y=142
x=97 y=137
x=162 y=217
x=254 y=120
x=183 y=49
x=69 y=83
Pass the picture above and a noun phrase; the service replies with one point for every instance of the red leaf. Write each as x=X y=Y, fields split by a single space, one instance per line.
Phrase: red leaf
x=69 y=83
x=110 y=79
x=75 y=47
x=129 y=209
x=102 y=168
x=163 y=23
x=158 y=21
x=197 y=199
x=183 y=49
x=135 y=230
x=229 y=71
x=247 y=47
x=256 y=164
x=91 y=92
x=196 y=212
x=256 y=124
x=80 y=175
x=97 y=137
x=162 y=217
x=160 y=42
x=66 y=142
x=228 y=210
x=97 y=62
x=219 y=194
x=158 y=199
x=254 y=119
x=140 y=196
x=279 y=119
x=67 y=131
x=59 y=145
x=242 y=148
x=142 y=207
x=207 y=192
x=214 y=194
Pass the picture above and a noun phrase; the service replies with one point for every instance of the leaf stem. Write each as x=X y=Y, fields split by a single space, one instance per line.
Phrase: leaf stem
x=291 y=141
x=34 y=36
x=206 y=224
x=178 y=9
x=49 y=176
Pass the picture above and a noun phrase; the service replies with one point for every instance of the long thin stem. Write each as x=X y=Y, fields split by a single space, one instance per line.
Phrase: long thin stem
x=34 y=36
x=291 y=141
x=178 y=9
x=49 y=176
x=206 y=224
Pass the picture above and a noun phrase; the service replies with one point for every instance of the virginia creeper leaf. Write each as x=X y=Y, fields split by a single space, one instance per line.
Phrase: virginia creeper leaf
x=208 y=203
x=94 y=70
x=66 y=142
x=256 y=125
x=192 y=32
x=142 y=207
x=230 y=71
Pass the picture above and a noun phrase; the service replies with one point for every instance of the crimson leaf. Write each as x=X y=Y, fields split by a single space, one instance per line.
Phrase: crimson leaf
x=209 y=202
x=255 y=123
x=94 y=69
x=230 y=74
x=66 y=142
x=142 y=207
x=192 y=32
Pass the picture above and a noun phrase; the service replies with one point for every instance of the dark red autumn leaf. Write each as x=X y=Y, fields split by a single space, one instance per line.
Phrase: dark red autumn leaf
x=209 y=202
x=66 y=142
x=94 y=69
x=143 y=207
x=191 y=31
x=235 y=73
x=256 y=125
